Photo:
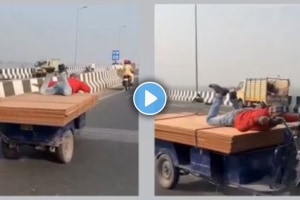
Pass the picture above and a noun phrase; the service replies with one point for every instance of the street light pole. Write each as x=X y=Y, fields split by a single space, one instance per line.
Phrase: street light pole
x=196 y=49
x=76 y=34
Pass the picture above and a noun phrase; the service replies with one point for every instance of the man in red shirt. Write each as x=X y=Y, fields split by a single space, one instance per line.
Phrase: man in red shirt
x=64 y=86
x=259 y=119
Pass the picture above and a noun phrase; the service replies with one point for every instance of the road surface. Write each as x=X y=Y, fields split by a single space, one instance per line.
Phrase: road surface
x=190 y=185
x=105 y=161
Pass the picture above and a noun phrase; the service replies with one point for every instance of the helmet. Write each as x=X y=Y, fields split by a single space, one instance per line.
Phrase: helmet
x=127 y=62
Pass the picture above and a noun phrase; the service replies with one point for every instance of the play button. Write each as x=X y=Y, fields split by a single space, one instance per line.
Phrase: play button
x=149 y=98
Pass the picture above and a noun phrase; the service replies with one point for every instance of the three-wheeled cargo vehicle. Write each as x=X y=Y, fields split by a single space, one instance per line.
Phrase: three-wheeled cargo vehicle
x=55 y=139
x=46 y=122
x=257 y=163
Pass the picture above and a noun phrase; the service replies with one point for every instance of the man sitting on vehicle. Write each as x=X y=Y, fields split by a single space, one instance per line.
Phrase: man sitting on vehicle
x=259 y=119
x=64 y=86
x=93 y=66
x=128 y=70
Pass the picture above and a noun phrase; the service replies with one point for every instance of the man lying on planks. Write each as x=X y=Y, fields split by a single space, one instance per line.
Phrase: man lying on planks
x=64 y=86
x=258 y=119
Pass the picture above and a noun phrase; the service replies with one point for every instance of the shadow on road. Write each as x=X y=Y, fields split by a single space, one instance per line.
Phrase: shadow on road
x=31 y=153
x=198 y=187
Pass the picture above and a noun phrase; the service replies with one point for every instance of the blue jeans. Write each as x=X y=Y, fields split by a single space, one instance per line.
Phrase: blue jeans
x=61 y=87
x=226 y=119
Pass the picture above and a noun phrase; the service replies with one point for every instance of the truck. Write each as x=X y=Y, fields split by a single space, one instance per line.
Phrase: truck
x=263 y=91
x=41 y=65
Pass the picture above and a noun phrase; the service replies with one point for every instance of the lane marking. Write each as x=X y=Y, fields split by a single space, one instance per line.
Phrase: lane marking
x=177 y=105
x=110 y=95
x=116 y=135
x=114 y=94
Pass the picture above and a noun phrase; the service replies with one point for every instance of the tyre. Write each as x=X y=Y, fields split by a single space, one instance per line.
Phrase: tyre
x=295 y=191
x=64 y=151
x=126 y=85
x=10 y=152
x=167 y=174
x=241 y=103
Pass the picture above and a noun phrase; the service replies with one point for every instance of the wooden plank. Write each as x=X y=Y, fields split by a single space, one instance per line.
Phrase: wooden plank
x=52 y=110
x=36 y=97
x=183 y=128
x=36 y=105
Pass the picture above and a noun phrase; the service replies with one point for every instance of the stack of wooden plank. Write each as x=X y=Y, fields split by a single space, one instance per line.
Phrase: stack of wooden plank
x=50 y=110
x=192 y=129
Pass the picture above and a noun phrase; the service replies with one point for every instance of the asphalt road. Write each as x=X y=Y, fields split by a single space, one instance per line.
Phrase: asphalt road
x=190 y=185
x=105 y=160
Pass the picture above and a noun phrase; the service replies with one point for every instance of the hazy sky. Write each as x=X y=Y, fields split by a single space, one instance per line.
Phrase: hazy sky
x=234 y=42
x=29 y=33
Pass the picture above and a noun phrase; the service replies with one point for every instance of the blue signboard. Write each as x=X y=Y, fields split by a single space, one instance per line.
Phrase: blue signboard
x=115 y=55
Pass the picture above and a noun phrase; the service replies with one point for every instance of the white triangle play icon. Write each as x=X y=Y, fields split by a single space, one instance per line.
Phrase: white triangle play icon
x=149 y=98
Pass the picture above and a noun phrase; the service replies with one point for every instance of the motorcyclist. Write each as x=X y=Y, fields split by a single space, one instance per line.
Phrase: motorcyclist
x=128 y=70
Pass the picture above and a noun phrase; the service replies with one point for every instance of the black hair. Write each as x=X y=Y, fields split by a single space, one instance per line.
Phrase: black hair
x=73 y=75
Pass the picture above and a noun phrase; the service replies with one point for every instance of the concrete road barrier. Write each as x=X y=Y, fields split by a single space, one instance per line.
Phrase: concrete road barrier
x=97 y=80
x=27 y=72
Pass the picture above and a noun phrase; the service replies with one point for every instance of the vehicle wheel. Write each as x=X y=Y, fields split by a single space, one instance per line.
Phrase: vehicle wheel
x=295 y=191
x=167 y=174
x=126 y=85
x=10 y=152
x=241 y=103
x=64 y=151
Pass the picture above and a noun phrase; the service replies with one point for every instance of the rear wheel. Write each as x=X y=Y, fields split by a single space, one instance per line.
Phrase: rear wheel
x=10 y=152
x=126 y=85
x=241 y=103
x=167 y=174
x=295 y=191
x=64 y=151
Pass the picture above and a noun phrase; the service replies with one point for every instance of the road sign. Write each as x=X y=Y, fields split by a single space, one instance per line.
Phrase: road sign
x=115 y=55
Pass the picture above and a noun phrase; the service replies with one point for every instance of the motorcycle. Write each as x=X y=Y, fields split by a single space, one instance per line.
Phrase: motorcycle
x=88 y=69
x=127 y=82
x=198 y=99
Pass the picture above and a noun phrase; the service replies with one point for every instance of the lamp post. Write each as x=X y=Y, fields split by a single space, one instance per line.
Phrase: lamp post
x=198 y=97
x=196 y=49
x=119 y=36
x=76 y=33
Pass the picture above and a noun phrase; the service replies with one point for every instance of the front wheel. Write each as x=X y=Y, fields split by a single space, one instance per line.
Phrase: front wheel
x=10 y=152
x=64 y=151
x=167 y=174
x=241 y=103
x=295 y=191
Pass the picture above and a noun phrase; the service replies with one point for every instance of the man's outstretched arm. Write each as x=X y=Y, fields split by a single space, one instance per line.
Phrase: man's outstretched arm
x=85 y=87
x=291 y=117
